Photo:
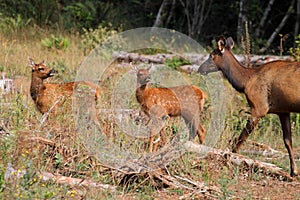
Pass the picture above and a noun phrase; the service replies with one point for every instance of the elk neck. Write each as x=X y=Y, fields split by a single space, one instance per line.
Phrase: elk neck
x=236 y=74
x=140 y=90
x=36 y=86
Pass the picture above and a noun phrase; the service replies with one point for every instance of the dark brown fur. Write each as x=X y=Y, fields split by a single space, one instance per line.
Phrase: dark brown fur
x=158 y=103
x=273 y=87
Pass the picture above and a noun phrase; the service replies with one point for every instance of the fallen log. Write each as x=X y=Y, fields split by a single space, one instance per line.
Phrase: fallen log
x=237 y=159
x=59 y=179
x=195 y=187
x=194 y=58
x=136 y=57
x=240 y=160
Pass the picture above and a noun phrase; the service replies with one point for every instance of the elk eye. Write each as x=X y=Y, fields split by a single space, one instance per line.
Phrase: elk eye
x=40 y=68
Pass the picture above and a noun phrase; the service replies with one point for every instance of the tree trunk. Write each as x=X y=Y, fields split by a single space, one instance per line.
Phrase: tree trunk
x=241 y=20
x=297 y=19
x=171 y=12
x=263 y=19
x=196 y=13
x=186 y=12
x=158 y=21
x=279 y=27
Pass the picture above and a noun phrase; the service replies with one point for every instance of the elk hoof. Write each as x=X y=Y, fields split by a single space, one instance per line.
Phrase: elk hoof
x=294 y=173
x=234 y=144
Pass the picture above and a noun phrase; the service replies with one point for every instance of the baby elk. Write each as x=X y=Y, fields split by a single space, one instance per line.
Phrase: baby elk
x=159 y=103
x=270 y=88
x=50 y=97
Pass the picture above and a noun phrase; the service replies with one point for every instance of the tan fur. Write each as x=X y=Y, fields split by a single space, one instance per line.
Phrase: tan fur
x=46 y=95
x=158 y=103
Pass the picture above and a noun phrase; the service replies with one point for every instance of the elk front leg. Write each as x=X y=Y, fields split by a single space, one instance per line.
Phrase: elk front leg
x=201 y=132
x=287 y=138
x=156 y=128
x=251 y=123
x=151 y=137
x=158 y=116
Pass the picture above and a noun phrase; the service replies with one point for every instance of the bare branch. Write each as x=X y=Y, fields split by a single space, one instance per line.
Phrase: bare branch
x=264 y=18
x=279 y=27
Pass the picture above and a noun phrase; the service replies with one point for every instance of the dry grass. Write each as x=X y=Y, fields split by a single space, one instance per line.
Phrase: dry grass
x=56 y=147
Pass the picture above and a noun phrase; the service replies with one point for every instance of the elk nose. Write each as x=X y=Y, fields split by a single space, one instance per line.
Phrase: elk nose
x=148 y=78
x=52 y=72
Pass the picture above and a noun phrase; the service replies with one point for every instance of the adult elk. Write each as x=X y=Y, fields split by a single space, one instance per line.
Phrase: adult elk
x=273 y=87
x=159 y=103
x=51 y=96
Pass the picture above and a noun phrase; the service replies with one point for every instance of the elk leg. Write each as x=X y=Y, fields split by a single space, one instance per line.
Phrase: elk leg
x=158 y=116
x=151 y=138
x=251 y=123
x=201 y=132
x=192 y=122
x=287 y=138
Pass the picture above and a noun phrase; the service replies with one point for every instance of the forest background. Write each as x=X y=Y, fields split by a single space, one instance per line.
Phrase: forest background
x=267 y=21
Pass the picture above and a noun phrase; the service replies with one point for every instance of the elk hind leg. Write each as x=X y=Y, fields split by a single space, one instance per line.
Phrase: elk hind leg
x=287 y=138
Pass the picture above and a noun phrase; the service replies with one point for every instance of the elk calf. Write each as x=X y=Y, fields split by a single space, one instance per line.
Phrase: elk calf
x=52 y=95
x=158 y=103
x=270 y=88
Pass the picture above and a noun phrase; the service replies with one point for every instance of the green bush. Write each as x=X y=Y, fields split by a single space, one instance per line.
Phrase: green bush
x=80 y=15
x=63 y=71
x=13 y=24
x=55 y=42
x=176 y=62
x=295 y=52
x=91 y=38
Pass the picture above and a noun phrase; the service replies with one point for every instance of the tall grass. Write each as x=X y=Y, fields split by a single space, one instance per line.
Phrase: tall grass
x=21 y=160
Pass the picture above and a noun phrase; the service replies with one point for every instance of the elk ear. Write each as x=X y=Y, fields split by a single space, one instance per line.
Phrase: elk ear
x=229 y=43
x=150 y=67
x=133 y=67
x=31 y=63
x=221 y=44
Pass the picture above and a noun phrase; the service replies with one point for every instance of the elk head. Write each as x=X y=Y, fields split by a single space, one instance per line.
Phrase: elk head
x=216 y=56
x=40 y=70
x=143 y=75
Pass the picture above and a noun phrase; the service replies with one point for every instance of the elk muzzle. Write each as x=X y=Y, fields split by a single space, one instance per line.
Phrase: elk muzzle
x=52 y=72
x=207 y=67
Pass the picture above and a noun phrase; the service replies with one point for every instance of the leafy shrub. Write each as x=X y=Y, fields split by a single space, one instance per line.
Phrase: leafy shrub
x=55 y=42
x=1 y=68
x=81 y=14
x=295 y=52
x=176 y=62
x=63 y=71
x=150 y=51
x=13 y=24
x=91 y=38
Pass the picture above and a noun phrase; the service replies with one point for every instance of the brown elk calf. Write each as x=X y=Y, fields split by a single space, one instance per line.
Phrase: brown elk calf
x=273 y=87
x=158 y=103
x=52 y=95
